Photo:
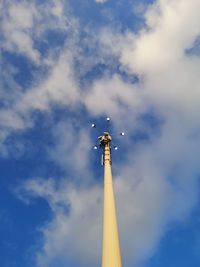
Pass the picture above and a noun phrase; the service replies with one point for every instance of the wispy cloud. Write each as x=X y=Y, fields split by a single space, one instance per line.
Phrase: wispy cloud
x=101 y=1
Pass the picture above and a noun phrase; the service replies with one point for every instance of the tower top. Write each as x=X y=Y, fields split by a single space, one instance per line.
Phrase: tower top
x=104 y=143
x=105 y=139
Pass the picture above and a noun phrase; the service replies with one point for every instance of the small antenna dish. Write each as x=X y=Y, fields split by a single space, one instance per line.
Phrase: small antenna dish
x=108 y=119
x=93 y=125
x=95 y=147
x=122 y=133
x=115 y=148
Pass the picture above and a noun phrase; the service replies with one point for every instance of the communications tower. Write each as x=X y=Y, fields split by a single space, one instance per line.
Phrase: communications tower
x=111 y=255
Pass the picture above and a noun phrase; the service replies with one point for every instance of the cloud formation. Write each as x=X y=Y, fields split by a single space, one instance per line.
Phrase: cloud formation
x=157 y=181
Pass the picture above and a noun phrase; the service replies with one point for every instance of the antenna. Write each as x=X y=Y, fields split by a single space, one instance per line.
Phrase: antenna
x=105 y=139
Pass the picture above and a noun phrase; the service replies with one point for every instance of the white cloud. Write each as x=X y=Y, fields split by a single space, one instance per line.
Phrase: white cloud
x=64 y=237
x=101 y=1
x=72 y=149
x=24 y=22
x=57 y=9
x=22 y=15
x=17 y=23
x=112 y=96
x=59 y=87
x=171 y=28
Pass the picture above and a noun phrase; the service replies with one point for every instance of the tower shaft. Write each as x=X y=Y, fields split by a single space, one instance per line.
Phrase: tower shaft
x=111 y=256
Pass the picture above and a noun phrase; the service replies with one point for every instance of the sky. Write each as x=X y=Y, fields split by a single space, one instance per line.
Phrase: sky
x=65 y=64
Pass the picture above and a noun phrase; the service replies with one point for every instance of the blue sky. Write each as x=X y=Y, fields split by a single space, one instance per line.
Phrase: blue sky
x=65 y=64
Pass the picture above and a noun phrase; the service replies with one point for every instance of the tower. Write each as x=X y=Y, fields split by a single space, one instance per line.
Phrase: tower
x=111 y=256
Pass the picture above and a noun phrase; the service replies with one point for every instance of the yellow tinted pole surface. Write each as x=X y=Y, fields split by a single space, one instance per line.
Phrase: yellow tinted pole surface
x=111 y=256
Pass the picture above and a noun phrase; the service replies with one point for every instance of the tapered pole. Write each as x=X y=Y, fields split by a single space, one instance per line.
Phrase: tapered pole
x=111 y=256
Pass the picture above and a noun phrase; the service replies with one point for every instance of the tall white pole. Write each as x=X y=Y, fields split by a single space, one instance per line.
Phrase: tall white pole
x=111 y=256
